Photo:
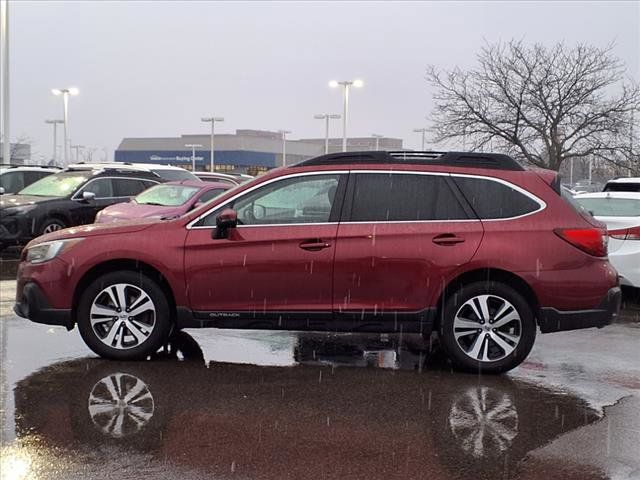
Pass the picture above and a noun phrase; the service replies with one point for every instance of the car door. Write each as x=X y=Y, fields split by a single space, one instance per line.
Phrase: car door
x=84 y=211
x=400 y=233
x=278 y=262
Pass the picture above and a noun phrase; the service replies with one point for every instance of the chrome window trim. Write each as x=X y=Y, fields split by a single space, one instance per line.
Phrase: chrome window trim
x=77 y=197
x=190 y=225
x=542 y=204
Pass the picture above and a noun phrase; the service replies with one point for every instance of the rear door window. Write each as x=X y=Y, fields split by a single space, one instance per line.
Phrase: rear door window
x=387 y=197
x=127 y=187
x=491 y=199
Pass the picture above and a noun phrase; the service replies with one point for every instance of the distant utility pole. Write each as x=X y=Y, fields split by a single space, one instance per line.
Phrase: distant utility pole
x=212 y=120
x=284 y=145
x=4 y=93
x=193 y=147
x=423 y=131
x=326 y=117
x=377 y=137
x=55 y=124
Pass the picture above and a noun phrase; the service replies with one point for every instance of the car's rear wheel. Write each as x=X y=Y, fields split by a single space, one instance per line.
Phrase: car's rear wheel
x=52 y=225
x=124 y=315
x=487 y=327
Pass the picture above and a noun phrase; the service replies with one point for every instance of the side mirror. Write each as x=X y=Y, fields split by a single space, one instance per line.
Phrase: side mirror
x=227 y=219
x=88 y=196
x=1 y=190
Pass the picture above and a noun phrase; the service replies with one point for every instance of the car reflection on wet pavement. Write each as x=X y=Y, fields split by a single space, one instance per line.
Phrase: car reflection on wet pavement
x=310 y=406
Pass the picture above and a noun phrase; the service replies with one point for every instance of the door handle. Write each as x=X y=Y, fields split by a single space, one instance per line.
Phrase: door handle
x=447 y=239
x=314 y=245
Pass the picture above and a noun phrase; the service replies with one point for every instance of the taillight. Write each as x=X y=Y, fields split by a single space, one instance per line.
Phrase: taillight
x=590 y=240
x=632 y=233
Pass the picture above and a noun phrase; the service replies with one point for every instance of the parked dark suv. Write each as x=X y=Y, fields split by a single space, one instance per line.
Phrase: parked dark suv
x=71 y=197
x=469 y=245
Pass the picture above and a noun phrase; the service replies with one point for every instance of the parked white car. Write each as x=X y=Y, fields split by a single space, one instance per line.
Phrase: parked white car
x=623 y=184
x=620 y=211
x=14 y=178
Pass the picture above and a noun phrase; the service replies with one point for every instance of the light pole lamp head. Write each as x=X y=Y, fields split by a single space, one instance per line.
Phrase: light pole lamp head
x=333 y=84
x=62 y=91
x=358 y=83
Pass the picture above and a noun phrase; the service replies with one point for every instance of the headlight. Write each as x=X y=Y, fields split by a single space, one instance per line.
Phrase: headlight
x=43 y=252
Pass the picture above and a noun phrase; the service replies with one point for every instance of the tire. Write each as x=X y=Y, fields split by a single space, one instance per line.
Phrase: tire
x=52 y=225
x=124 y=337
x=493 y=345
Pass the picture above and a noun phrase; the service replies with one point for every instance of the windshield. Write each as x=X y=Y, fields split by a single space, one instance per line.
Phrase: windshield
x=611 y=207
x=166 y=195
x=175 y=175
x=59 y=185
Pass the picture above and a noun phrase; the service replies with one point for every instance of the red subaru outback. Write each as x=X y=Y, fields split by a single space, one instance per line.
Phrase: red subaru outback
x=469 y=245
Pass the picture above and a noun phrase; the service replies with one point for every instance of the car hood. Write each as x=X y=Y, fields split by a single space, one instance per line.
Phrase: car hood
x=131 y=210
x=95 y=229
x=8 y=201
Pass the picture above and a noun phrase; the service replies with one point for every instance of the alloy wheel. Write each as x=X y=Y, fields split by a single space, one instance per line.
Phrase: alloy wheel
x=487 y=328
x=122 y=316
x=52 y=227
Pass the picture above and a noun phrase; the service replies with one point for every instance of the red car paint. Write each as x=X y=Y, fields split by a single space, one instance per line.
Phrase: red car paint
x=366 y=267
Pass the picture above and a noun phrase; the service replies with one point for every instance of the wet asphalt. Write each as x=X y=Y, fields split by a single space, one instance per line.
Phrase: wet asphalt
x=279 y=405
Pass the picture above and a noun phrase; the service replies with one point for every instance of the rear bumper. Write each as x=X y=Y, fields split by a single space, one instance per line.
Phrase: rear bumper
x=34 y=306
x=552 y=320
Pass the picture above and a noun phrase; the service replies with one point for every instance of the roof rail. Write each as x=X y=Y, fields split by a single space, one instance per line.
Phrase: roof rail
x=494 y=161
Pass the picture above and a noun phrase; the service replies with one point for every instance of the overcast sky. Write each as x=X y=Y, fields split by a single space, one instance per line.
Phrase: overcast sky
x=152 y=69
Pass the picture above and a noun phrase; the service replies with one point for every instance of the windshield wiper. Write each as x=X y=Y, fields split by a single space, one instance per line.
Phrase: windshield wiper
x=153 y=203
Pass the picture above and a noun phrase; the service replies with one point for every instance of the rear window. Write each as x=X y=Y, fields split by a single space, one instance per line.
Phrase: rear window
x=493 y=200
x=174 y=175
x=622 y=187
x=611 y=207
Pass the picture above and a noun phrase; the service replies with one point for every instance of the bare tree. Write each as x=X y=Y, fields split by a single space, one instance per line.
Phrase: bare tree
x=544 y=105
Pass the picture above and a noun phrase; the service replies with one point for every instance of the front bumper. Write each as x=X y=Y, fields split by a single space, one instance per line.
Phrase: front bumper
x=34 y=306
x=553 y=320
x=15 y=229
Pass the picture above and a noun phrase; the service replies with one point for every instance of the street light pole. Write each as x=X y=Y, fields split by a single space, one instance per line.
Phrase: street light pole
x=77 y=149
x=4 y=93
x=284 y=145
x=377 y=137
x=326 y=117
x=345 y=111
x=55 y=123
x=65 y=92
x=212 y=120
x=193 y=147
x=423 y=131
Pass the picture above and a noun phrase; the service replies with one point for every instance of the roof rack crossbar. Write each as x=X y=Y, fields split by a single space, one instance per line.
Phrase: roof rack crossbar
x=494 y=161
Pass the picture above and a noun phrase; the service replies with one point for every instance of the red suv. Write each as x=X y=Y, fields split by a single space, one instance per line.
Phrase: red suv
x=469 y=245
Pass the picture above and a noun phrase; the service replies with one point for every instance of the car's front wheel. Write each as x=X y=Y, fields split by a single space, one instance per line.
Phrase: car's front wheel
x=124 y=315
x=487 y=327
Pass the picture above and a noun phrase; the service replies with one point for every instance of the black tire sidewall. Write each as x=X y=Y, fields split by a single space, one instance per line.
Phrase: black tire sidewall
x=459 y=359
x=163 y=316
